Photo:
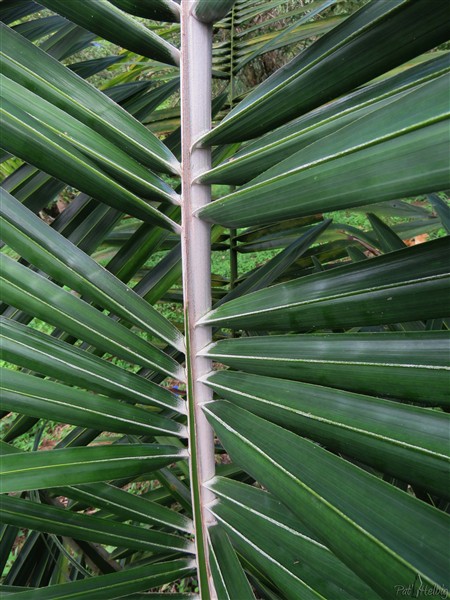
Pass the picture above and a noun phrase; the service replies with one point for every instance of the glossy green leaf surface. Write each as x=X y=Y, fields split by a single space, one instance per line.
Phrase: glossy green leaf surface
x=345 y=182
x=262 y=503
x=401 y=365
x=406 y=130
x=390 y=118
x=355 y=254
x=109 y=22
x=34 y=69
x=45 y=354
x=12 y=10
x=405 y=441
x=87 y=68
x=442 y=209
x=45 y=399
x=38 y=28
x=118 y=502
x=209 y=11
x=38 y=470
x=143 y=108
x=164 y=10
x=59 y=258
x=69 y=40
x=115 y=585
x=306 y=457
x=86 y=222
x=285 y=228
x=389 y=241
x=386 y=289
x=8 y=535
x=270 y=537
x=350 y=519
x=28 y=290
x=105 y=154
x=127 y=506
x=339 y=60
x=34 y=142
x=229 y=578
x=32 y=187
x=270 y=149
x=134 y=252
x=396 y=208
x=50 y=519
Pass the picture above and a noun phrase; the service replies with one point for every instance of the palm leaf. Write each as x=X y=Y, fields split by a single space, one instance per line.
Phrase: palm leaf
x=398 y=365
x=41 y=517
x=114 y=25
x=163 y=10
x=38 y=470
x=394 y=291
x=137 y=579
x=59 y=258
x=376 y=22
x=337 y=517
x=29 y=66
x=212 y=10
x=44 y=354
x=313 y=438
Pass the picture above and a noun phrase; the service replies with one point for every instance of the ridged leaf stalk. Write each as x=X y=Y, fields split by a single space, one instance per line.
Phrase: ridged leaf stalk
x=196 y=50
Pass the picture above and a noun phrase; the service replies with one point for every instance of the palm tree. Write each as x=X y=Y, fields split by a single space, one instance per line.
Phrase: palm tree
x=290 y=440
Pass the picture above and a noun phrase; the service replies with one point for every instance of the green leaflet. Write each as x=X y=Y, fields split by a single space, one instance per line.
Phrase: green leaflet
x=339 y=59
x=27 y=290
x=209 y=11
x=45 y=399
x=270 y=149
x=442 y=209
x=67 y=41
x=53 y=253
x=350 y=519
x=32 y=187
x=39 y=470
x=59 y=521
x=38 y=28
x=298 y=401
x=392 y=117
x=118 y=502
x=269 y=536
x=12 y=10
x=299 y=30
x=127 y=506
x=105 y=154
x=392 y=288
x=145 y=106
x=410 y=365
x=87 y=68
x=229 y=578
x=109 y=22
x=389 y=241
x=49 y=356
x=26 y=64
x=164 y=10
x=340 y=170
x=407 y=442
x=35 y=142
x=269 y=272
x=115 y=585
x=406 y=165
